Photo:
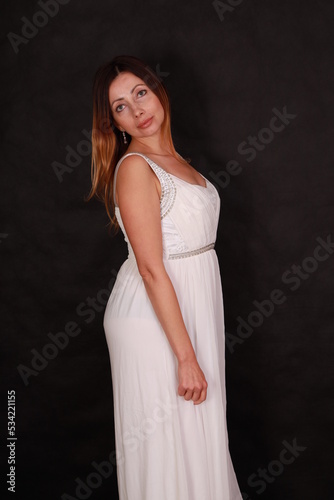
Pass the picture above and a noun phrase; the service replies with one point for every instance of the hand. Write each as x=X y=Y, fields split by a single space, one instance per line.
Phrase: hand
x=192 y=382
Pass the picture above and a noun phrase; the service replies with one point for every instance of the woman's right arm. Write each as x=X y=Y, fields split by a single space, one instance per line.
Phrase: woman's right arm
x=139 y=204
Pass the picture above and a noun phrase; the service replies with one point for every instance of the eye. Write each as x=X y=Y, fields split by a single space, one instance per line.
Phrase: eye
x=117 y=108
x=142 y=90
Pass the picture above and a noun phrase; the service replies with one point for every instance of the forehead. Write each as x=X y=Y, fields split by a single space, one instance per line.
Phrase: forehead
x=123 y=84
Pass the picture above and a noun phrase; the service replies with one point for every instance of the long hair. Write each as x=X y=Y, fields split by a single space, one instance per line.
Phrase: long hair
x=107 y=140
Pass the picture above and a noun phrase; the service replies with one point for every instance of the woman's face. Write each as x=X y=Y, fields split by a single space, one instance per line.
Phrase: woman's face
x=135 y=107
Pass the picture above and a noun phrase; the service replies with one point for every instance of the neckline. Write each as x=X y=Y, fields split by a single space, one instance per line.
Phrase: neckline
x=186 y=182
x=176 y=177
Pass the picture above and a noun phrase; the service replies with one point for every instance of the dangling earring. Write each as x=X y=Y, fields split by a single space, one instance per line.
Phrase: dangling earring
x=124 y=137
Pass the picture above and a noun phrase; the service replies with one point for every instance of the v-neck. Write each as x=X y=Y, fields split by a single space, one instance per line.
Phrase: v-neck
x=182 y=180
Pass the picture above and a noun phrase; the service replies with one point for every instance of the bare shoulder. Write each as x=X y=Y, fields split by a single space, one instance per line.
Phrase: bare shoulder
x=134 y=172
x=133 y=166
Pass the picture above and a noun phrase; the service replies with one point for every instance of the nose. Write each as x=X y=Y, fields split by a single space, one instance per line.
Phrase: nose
x=138 y=110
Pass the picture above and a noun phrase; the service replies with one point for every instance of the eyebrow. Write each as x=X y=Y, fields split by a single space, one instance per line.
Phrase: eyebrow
x=120 y=98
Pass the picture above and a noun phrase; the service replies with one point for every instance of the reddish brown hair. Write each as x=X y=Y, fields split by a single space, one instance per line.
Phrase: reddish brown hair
x=107 y=140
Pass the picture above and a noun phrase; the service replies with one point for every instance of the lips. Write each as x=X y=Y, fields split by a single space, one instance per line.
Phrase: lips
x=145 y=123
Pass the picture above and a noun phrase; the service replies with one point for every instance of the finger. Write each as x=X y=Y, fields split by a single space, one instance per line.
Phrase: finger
x=201 y=398
x=196 y=394
x=181 y=391
x=188 y=395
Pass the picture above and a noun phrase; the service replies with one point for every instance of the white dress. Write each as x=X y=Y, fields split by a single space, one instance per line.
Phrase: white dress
x=167 y=448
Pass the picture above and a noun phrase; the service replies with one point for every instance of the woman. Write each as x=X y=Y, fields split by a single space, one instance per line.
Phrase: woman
x=164 y=320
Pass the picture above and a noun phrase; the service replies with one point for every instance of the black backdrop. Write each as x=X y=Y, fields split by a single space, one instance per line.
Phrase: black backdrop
x=251 y=87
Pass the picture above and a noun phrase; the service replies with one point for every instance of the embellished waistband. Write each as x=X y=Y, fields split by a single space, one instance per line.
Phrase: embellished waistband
x=191 y=252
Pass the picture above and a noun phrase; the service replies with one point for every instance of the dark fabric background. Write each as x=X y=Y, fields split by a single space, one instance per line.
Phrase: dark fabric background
x=230 y=67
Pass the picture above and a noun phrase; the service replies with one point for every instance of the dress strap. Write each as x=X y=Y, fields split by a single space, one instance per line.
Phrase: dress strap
x=168 y=188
